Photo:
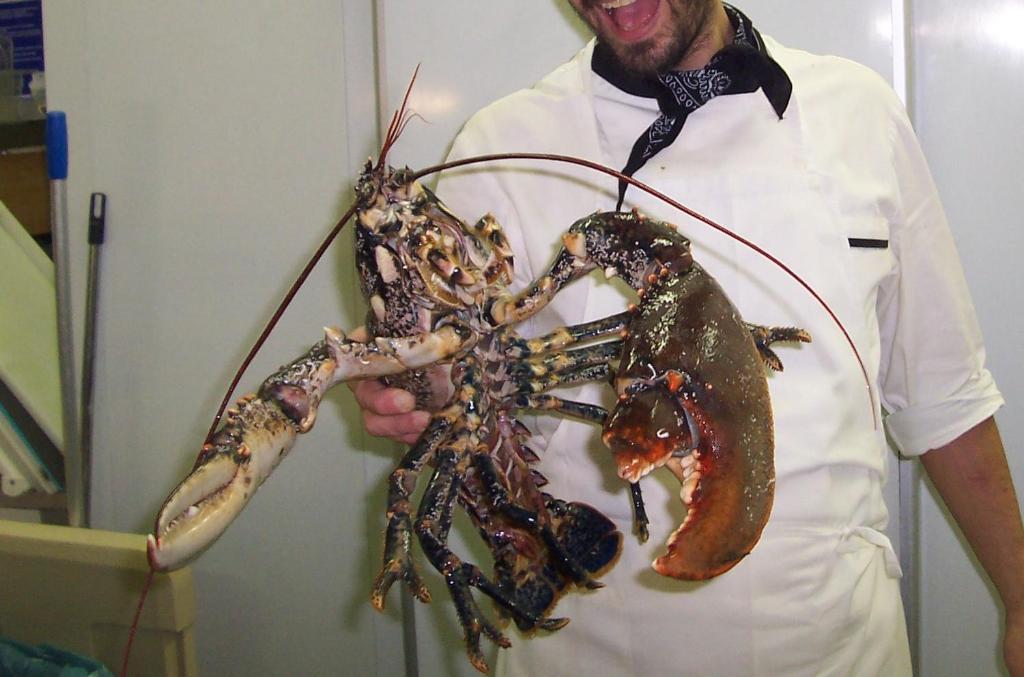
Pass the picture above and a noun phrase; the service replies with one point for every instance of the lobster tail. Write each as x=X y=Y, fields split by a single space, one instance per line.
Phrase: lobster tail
x=536 y=584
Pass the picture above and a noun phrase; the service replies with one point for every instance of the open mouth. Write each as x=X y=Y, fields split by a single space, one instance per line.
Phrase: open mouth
x=631 y=19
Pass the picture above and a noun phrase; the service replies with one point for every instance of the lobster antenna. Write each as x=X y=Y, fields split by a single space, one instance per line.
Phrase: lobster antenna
x=568 y=159
x=409 y=116
x=398 y=122
x=281 y=307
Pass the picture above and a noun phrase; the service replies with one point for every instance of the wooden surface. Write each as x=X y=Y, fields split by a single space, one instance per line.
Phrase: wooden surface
x=25 y=188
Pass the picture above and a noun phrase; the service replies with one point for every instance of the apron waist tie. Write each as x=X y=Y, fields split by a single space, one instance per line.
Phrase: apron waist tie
x=876 y=538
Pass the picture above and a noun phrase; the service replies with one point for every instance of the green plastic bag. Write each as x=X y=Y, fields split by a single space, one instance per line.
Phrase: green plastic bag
x=24 y=660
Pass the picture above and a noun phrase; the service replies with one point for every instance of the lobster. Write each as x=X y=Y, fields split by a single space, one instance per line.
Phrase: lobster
x=690 y=376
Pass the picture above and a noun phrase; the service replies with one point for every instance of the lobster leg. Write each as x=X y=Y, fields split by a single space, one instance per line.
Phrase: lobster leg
x=564 y=337
x=581 y=410
x=454 y=420
x=570 y=377
x=545 y=371
x=397 y=556
x=640 y=519
x=499 y=498
x=592 y=414
x=451 y=441
x=432 y=525
x=562 y=361
x=765 y=336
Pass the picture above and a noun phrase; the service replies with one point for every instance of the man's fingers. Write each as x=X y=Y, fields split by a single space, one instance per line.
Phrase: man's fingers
x=387 y=412
x=402 y=427
x=375 y=397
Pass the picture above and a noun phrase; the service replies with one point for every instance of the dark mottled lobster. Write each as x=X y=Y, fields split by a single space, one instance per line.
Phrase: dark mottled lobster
x=689 y=372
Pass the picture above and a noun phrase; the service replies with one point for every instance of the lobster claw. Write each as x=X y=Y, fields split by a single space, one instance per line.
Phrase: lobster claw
x=722 y=458
x=230 y=469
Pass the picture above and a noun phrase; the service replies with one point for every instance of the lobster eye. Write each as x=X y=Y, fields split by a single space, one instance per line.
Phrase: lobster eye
x=365 y=190
x=401 y=177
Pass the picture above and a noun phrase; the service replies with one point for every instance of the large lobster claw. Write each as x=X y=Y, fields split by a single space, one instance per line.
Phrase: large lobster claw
x=255 y=437
x=230 y=468
x=258 y=434
x=699 y=407
x=724 y=468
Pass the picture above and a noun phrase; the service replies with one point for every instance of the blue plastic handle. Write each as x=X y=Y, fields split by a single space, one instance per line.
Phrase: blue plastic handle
x=57 y=145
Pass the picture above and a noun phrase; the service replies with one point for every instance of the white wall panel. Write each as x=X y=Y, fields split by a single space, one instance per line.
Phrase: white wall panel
x=470 y=53
x=968 y=104
x=856 y=29
x=219 y=132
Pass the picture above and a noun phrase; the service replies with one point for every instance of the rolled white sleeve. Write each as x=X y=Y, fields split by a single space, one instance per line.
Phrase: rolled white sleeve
x=933 y=379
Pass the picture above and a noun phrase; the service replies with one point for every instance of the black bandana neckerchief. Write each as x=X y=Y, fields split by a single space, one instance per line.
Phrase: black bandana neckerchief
x=739 y=68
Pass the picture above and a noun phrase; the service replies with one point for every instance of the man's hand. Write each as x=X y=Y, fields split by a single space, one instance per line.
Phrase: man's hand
x=389 y=412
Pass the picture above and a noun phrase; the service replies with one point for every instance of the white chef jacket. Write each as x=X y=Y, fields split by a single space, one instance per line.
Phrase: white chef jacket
x=819 y=594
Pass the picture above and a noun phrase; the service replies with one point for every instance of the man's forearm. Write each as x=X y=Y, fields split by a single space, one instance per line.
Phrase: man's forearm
x=972 y=476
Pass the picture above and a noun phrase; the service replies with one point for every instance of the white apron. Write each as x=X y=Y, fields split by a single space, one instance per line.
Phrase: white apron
x=819 y=594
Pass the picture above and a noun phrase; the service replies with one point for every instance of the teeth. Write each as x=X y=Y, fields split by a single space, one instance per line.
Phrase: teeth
x=615 y=4
x=674 y=536
x=635 y=470
x=683 y=467
x=689 y=486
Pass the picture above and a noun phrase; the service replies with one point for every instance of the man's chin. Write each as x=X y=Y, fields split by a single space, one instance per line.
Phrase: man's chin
x=643 y=59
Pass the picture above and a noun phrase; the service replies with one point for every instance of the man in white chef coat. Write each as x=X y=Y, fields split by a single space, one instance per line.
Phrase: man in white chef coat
x=813 y=159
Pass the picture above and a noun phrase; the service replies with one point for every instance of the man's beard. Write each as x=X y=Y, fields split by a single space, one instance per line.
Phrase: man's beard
x=649 y=58
x=662 y=52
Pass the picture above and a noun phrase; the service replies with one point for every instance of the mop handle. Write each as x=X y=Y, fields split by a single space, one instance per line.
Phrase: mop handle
x=57 y=168
x=57 y=145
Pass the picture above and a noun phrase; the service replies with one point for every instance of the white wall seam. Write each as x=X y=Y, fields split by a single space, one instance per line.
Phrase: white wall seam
x=380 y=66
x=900 y=74
x=909 y=476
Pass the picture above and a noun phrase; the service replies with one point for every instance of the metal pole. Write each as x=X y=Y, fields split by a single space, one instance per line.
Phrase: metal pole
x=57 y=167
x=97 y=231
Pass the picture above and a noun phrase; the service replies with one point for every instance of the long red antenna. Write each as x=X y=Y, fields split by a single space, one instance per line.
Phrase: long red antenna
x=281 y=307
x=134 y=627
x=398 y=122
x=568 y=159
